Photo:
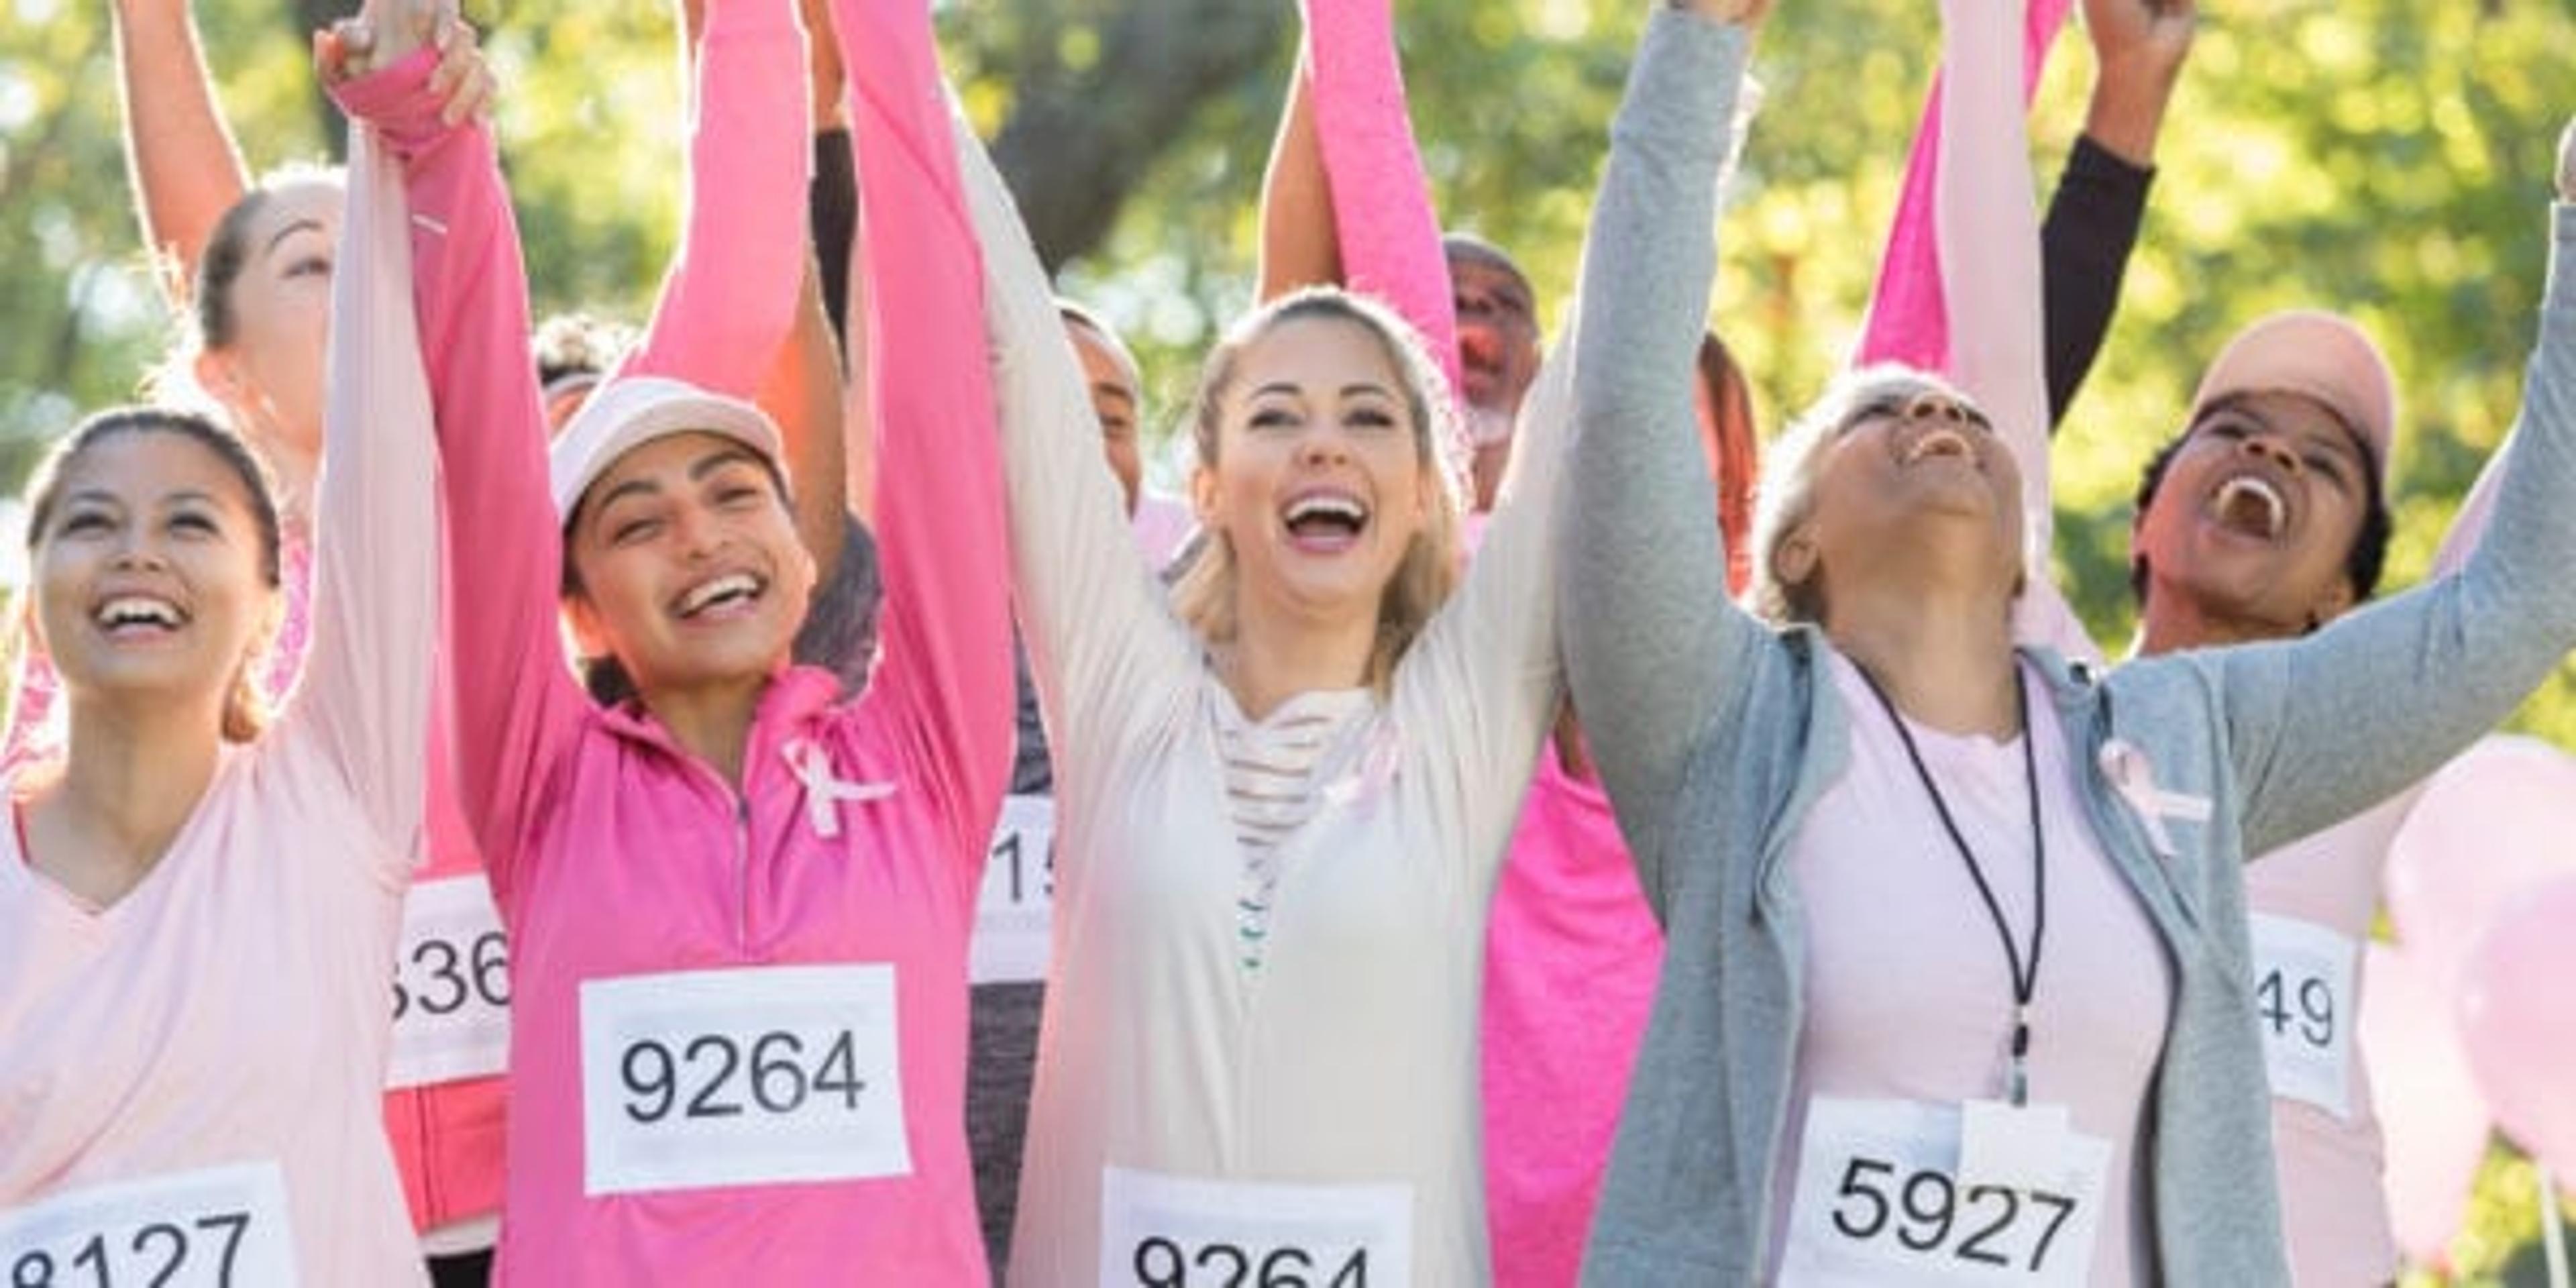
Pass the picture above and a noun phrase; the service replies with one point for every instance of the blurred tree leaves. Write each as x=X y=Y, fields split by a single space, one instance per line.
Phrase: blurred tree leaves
x=2384 y=157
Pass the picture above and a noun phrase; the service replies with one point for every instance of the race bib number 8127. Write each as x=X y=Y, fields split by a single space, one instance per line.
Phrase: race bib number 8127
x=223 y=1227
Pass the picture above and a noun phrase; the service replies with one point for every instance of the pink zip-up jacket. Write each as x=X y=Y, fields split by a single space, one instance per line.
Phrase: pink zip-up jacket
x=229 y=1015
x=614 y=853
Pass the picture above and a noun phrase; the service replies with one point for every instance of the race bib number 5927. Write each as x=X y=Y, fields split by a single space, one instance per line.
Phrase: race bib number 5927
x=741 y=1077
x=1881 y=1199
x=223 y=1227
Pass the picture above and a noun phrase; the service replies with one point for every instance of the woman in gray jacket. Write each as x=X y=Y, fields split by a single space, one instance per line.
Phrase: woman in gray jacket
x=1956 y=983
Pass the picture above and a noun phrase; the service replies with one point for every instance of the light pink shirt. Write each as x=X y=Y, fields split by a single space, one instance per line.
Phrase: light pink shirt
x=1908 y=996
x=233 y=1007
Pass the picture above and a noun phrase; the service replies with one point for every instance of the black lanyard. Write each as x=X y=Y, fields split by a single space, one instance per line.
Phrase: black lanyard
x=2025 y=982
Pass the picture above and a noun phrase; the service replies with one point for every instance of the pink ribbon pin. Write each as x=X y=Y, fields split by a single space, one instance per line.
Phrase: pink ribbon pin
x=823 y=791
x=2129 y=773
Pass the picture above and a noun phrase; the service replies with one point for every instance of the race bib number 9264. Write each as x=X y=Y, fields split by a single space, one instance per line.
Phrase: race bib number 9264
x=741 y=1077
x=1179 y=1232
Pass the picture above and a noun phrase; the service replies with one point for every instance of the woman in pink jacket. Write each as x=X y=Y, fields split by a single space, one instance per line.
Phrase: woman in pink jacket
x=196 y=915
x=739 y=911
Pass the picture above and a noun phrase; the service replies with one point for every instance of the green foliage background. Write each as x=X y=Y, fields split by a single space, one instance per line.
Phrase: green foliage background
x=2389 y=158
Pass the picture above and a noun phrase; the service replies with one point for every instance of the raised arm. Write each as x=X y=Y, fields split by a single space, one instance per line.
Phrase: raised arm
x=516 y=704
x=730 y=299
x=803 y=394
x=1909 y=319
x=2101 y=198
x=363 y=703
x=1098 y=629
x=186 y=169
x=2417 y=677
x=1299 y=245
x=1988 y=239
x=1653 y=648
x=1345 y=200
x=946 y=622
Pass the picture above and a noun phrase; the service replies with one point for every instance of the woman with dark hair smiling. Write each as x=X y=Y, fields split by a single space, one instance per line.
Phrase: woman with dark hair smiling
x=1957 y=959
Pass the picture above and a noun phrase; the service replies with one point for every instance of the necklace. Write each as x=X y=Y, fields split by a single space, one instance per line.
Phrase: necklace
x=2025 y=974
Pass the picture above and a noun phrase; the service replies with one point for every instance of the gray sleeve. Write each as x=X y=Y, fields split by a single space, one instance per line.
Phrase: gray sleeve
x=1653 y=646
x=2322 y=727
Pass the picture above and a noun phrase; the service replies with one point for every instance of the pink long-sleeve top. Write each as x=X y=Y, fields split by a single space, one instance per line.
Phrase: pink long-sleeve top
x=206 y=1055
x=667 y=927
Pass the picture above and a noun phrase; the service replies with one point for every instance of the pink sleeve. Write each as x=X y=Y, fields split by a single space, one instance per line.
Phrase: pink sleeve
x=363 y=700
x=946 y=627
x=1382 y=215
x=517 y=706
x=1986 y=238
x=1908 y=322
x=730 y=299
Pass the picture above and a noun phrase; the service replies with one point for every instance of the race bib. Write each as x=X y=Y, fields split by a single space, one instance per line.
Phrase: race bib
x=1015 y=911
x=741 y=1077
x=451 y=986
x=2306 y=1005
x=1173 y=1232
x=224 y=1227
x=1881 y=1199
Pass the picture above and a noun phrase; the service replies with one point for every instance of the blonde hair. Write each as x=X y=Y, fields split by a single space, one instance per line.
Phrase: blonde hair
x=1204 y=594
x=1788 y=489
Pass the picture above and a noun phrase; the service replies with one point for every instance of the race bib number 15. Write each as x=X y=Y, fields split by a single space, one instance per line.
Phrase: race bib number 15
x=1015 y=909
x=223 y=1227
x=741 y=1077
x=1178 y=1232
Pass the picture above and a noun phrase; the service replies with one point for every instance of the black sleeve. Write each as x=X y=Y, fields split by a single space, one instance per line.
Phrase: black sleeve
x=2092 y=226
x=832 y=211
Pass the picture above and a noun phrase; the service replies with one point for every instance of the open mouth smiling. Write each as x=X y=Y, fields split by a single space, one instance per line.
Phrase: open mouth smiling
x=135 y=616
x=1938 y=442
x=1324 y=521
x=726 y=595
x=2250 y=505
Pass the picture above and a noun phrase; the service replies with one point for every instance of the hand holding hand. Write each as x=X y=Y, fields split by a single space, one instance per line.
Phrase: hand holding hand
x=387 y=31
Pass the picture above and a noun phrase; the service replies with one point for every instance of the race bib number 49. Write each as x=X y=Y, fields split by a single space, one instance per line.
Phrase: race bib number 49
x=741 y=1077
x=2305 y=1004
x=1177 y=1232
x=224 y=1227
x=1880 y=1200
x=451 y=986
